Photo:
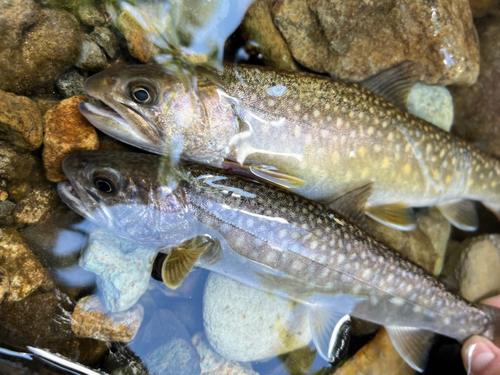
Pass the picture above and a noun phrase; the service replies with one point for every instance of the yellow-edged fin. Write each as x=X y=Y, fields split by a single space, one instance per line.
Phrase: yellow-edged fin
x=412 y=344
x=277 y=178
x=398 y=216
x=461 y=214
x=181 y=260
x=394 y=84
x=352 y=204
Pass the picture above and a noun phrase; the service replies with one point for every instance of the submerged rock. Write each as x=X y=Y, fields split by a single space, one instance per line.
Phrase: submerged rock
x=481 y=8
x=71 y=83
x=15 y=17
x=47 y=49
x=477 y=108
x=139 y=44
x=14 y=165
x=91 y=56
x=20 y=121
x=123 y=268
x=353 y=40
x=92 y=16
x=213 y=363
x=377 y=357
x=4 y=283
x=246 y=324
x=66 y=132
x=478 y=271
x=37 y=203
x=26 y=273
x=91 y=319
x=105 y=38
x=433 y=104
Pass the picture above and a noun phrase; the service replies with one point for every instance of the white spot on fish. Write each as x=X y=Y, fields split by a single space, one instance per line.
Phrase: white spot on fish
x=397 y=301
x=276 y=90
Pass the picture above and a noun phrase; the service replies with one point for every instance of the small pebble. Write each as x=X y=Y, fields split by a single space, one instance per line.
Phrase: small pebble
x=91 y=57
x=106 y=39
x=71 y=83
x=433 y=104
x=91 y=16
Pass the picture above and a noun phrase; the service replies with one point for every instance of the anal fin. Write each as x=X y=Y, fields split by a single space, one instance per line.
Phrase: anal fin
x=461 y=214
x=412 y=344
x=330 y=332
x=352 y=204
x=181 y=260
x=398 y=216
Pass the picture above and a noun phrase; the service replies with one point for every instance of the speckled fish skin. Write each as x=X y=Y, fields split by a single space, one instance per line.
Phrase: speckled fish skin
x=336 y=136
x=310 y=253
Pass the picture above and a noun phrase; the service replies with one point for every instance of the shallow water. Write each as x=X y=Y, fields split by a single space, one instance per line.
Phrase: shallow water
x=42 y=240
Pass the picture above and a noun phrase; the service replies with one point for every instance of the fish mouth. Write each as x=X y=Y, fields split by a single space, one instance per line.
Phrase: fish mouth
x=123 y=123
x=72 y=199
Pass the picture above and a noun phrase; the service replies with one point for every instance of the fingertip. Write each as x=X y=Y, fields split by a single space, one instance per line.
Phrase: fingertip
x=478 y=355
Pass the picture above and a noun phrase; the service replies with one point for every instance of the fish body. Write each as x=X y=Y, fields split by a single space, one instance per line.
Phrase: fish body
x=271 y=239
x=334 y=136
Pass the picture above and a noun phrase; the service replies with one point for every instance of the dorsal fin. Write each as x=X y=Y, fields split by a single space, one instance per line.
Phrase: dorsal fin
x=352 y=204
x=412 y=344
x=461 y=214
x=394 y=84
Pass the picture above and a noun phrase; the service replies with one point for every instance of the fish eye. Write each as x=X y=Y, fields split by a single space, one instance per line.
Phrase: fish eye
x=106 y=182
x=142 y=94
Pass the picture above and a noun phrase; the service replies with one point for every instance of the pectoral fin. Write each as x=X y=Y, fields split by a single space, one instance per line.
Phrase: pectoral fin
x=277 y=178
x=461 y=214
x=352 y=204
x=394 y=84
x=330 y=332
x=398 y=216
x=181 y=260
x=412 y=344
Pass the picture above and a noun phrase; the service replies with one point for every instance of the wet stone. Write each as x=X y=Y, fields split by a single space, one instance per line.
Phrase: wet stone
x=46 y=50
x=42 y=320
x=105 y=38
x=353 y=40
x=91 y=56
x=213 y=363
x=246 y=324
x=477 y=108
x=139 y=45
x=92 y=16
x=71 y=83
x=20 y=121
x=15 y=17
x=377 y=357
x=165 y=346
x=433 y=104
x=66 y=132
x=38 y=202
x=481 y=8
x=189 y=314
x=25 y=272
x=14 y=164
x=6 y=208
x=91 y=319
x=4 y=283
x=478 y=271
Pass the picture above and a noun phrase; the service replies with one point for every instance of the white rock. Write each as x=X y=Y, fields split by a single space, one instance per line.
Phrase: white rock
x=123 y=268
x=246 y=324
x=433 y=104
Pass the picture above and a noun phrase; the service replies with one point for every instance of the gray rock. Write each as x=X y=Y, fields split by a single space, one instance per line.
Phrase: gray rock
x=6 y=208
x=189 y=314
x=15 y=17
x=213 y=363
x=246 y=324
x=71 y=83
x=478 y=272
x=123 y=268
x=91 y=56
x=433 y=104
x=105 y=38
x=4 y=282
x=91 y=319
x=92 y=16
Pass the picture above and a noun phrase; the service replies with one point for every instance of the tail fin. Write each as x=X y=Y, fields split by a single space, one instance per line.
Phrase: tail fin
x=493 y=330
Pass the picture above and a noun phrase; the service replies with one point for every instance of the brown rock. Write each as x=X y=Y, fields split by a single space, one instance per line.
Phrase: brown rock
x=15 y=17
x=478 y=272
x=26 y=273
x=353 y=40
x=139 y=44
x=92 y=16
x=20 y=121
x=214 y=364
x=46 y=50
x=66 y=131
x=35 y=205
x=481 y=8
x=258 y=26
x=14 y=165
x=4 y=283
x=41 y=320
x=477 y=108
x=426 y=245
x=377 y=357
x=91 y=319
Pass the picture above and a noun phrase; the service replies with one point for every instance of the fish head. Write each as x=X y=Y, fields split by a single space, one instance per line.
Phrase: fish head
x=147 y=105
x=135 y=196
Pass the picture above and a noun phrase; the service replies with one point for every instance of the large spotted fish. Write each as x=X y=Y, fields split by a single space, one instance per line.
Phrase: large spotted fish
x=318 y=137
x=273 y=240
